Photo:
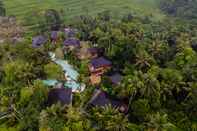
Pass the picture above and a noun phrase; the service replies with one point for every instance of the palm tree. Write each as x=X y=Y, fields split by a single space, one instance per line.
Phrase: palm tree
x=158 y=122
x=109 y=118
x=130 y=85
x=151 y=86
x=143 y=60
x=156 y=48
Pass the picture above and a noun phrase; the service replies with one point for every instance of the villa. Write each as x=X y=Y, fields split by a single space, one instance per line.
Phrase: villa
x=39 y=40
x=71 y=43
x=99 y=65
x=62 y=95
x=101 y=99
x=69 y=32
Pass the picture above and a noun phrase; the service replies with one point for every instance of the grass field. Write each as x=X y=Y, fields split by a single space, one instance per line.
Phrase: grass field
x=23 y=8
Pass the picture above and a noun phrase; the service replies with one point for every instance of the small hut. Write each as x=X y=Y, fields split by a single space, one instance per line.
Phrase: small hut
x=99 y=65
x=62 y=95
x=72 y=43
x=94 y=52
x=69 y=32
x=101 y=99
x=115 y=79
x=38 y=41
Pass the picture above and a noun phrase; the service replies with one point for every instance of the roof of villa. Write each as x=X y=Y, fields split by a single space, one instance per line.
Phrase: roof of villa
x=115 y=78
x=69 y=32
x=99 y=62
x=62 y=95
x=72 y=42
x=38 y=40
x=100 y=98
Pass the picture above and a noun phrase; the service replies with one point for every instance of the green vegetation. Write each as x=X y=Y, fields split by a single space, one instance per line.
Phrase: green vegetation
x=186 y=9
x=53 y=71
x=25 y=9
x=2 y=9
x=156 y=59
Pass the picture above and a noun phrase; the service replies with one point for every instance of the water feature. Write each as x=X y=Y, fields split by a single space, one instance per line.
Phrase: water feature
x=71 y=75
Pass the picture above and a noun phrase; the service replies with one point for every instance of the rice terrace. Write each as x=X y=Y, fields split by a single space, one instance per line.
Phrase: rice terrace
x=71 y=8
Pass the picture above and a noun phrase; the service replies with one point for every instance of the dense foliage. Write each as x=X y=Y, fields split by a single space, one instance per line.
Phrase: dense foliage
x=181 y=8
x=2 y=9
x=158 y=63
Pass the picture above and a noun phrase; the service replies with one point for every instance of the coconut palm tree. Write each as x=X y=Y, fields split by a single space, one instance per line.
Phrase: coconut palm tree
x=151 y=86
x=158 y=122
x=143 y=60
x=109 y=118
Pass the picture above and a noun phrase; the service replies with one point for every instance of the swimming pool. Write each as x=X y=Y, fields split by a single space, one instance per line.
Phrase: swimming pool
x=70 y=73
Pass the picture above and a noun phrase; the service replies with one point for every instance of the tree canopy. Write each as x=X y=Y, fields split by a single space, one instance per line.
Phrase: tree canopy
x=157 y=62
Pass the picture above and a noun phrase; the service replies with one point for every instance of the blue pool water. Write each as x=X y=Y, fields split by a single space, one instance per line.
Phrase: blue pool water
x=68 y=69
x=50 y=82
x=70 y=72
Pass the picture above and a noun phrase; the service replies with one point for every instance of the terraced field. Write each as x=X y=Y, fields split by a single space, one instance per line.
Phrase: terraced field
x=24 y=8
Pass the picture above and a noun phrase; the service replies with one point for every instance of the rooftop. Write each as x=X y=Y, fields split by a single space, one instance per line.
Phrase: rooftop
x=62 y=95
x=38 y=40
x=72 y=42
x=116 y=78
x=99 y=62
x=69 y=32
x=100 y=98
x=54 y=34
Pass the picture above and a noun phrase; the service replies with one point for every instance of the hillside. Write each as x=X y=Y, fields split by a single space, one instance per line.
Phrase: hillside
x=71 y=8
x=98 y=65
x=107 y=76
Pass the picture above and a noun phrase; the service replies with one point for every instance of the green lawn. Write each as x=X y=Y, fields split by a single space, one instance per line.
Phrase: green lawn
x=23 y=8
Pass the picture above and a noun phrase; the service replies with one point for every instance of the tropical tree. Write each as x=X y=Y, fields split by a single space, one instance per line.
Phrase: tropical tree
x=143 y=60
x=187 y=57
x=130 y=85
x=77 y=119
x=105 y=15
x=109 y=118
x=184 y=9
x=21 y=108
x=53 y=118
x=2 y=9
x=158 y=122
x=96 y=34
x=53 y=19
x=172 y=80
x=140 y=108
x=60 y=118
x=18 y=71
x=151 y=89
x=53 y=71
